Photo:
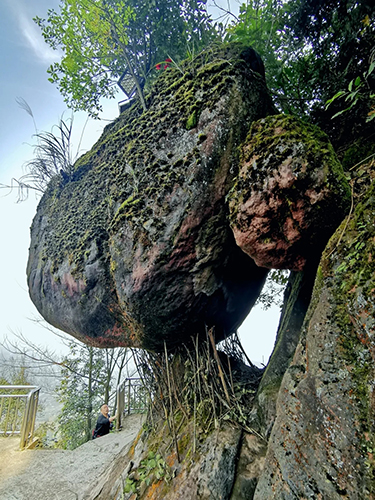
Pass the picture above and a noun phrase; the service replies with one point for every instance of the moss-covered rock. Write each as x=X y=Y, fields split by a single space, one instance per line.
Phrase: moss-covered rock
x=322 y=444
x=136 y=248
x=290 y=194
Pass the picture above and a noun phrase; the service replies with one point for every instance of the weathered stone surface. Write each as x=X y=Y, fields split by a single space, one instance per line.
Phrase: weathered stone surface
x=249 y=467
x=80 y=474
x=207 y=474
x=322 y=442
x=136 y=249
x=290 y=194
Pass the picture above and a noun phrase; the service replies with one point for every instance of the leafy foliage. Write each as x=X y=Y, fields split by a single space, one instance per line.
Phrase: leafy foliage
x=358 y=89
x=80 y=391
x=312 y=50
x=152 y=468
x=260 y=25
x=101 y=39
x=88 y=377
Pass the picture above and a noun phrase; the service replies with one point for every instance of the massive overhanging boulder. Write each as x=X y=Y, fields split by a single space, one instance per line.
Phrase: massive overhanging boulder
x=136 y=249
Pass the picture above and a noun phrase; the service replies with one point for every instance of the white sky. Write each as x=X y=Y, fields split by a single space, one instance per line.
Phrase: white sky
x=24 y=59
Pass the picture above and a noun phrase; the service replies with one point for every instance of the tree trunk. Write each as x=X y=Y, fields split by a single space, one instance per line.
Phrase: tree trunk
x=90 y=395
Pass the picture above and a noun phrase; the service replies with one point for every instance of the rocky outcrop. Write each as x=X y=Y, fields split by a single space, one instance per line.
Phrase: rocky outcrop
x=170 y=225
x=322 y=442
x=136 y=248
x=296 y=302
x=288 y=195
x=206 y=473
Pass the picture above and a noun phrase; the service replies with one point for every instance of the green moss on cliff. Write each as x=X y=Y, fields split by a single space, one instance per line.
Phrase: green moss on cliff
x=296 y=302
x=348 y=267
x=275 y=140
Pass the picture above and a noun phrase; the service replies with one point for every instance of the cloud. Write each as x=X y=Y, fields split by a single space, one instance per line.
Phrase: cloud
x=34 y=39
x=32 y=36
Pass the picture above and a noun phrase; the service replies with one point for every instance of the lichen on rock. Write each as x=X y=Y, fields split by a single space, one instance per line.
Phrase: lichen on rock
x=325 y=410
x=136 y=248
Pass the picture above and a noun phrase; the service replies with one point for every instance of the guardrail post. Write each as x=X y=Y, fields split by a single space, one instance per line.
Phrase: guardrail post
x=130 y=398
x=120 y=404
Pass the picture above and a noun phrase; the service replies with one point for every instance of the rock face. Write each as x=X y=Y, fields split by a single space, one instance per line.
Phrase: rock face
x=289 y=180
x=171 y=223
x=297 y=298
x=209 y=473
x=322 y=442
x=136 y=247
x=323 y=438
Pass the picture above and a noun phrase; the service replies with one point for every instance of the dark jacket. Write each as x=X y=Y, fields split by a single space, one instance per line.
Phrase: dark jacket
x=103 y=426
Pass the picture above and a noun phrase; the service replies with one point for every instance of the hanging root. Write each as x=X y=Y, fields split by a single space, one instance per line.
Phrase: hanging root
x=200 y=383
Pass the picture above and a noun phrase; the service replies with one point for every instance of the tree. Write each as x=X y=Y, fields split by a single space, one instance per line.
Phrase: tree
x=87 y=382
x=260 y=25
x=80 y=391
x=312 y=50
x=101 y=40
x=341 y=37
x=88 y=377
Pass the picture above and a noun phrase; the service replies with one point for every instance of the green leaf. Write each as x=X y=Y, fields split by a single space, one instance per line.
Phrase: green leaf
x=101 y=38
x=370 y=70
x=345 y=110
x=336 y=96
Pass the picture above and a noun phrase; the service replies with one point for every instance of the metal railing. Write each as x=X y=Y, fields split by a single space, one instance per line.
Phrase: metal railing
x=132 y=397
x=18 y=411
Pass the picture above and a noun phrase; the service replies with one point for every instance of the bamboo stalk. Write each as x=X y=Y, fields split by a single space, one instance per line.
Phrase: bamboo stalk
x=171 y=403
x=221 y=374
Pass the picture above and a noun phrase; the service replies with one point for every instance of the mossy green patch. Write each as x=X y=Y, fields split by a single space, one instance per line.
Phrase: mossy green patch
x=348 y=268
x=192 y=120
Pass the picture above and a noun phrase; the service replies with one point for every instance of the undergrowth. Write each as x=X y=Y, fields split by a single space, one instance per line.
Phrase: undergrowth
x=200 y=384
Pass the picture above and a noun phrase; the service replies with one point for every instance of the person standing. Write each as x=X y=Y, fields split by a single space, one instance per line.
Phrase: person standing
x=104 y=422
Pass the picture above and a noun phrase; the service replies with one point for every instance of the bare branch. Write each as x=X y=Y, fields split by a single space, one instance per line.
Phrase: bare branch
x=226 y=11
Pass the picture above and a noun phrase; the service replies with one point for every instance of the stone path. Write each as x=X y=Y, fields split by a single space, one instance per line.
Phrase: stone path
x=63 y=474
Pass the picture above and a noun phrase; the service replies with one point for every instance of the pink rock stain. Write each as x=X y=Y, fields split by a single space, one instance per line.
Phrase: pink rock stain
x=143 y=266
x=71 y=286
x=264 y=205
